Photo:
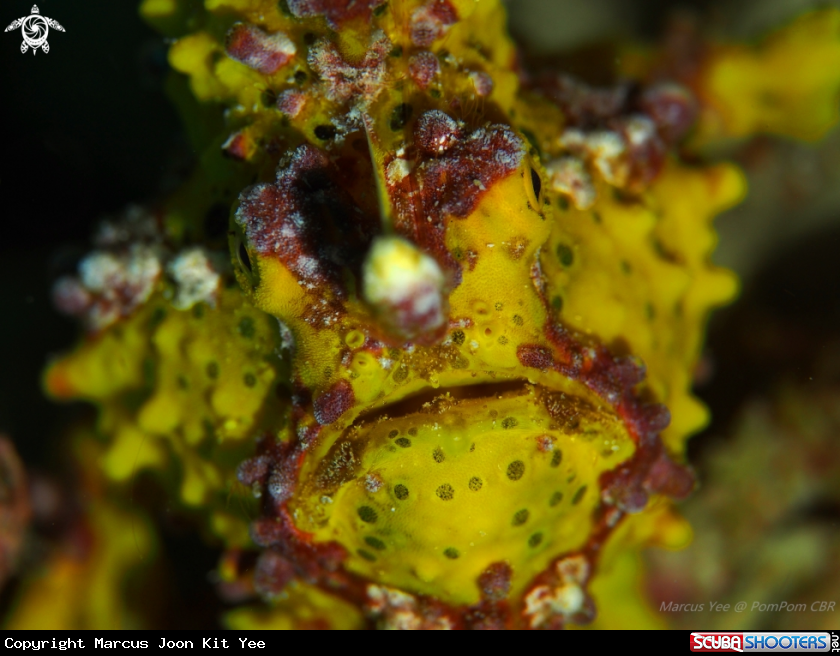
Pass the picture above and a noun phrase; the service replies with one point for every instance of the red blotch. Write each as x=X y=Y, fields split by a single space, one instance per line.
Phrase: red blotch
x=238 y=146
x=455 y=182
x=450 y=183
x=336 y=12
x=291 y=102
x=311 y=560
x=307 y=221
x=429 y=22
x=344 y=80
x=256 y=49
x=650 y=470
x=253 y=470
x=534 y=356
x=333 y=403
x=583 y=106
x=272 y=573
x=667 y=477
x=488 y=616
x=494 y=582
x=435 y=132
x=672 y=108
x=71 y=297
x=425 y=327
x=423 y=67
x=645 y=151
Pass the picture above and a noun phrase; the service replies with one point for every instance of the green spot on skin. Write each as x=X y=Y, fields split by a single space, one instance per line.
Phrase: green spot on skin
x=565 y=255
x=520 y=517
x=516 y=470
x=451 y=553
x=366 y=555
x=247 y=328
x=445 y=492
x=376 y=543
x=401 y=492
x=367 y=514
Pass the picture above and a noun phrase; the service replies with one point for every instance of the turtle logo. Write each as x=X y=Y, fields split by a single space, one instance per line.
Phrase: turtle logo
x=35 y=29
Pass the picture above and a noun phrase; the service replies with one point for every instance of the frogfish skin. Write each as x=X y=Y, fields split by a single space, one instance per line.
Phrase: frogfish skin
x=432 y=318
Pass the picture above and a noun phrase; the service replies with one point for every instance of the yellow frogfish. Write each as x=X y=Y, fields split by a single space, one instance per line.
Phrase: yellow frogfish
x=431 y=317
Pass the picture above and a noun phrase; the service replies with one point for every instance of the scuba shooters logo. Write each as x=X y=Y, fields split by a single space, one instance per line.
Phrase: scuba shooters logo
x=710 y=641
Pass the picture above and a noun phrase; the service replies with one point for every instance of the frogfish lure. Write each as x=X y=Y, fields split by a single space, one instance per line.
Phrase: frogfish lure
x=431 y=317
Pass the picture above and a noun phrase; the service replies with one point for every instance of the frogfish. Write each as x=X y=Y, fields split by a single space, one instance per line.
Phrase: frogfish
x=413 y=345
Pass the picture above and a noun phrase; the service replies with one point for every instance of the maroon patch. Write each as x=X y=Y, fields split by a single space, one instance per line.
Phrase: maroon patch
x=291 y=102
x=494 y=582
x=236 y=146
x=545 y=443
x=343 y=80
x=650 y=419
x=336 y=12
x=70 y=296
x=423 y=67
x=309 y=223
x=435 y=132
x=647 y=122
x=429 y=22
x=272 y=573
x=584 y=106
x=667 y=477
x=311 y=560
x=672 y=108
x=333 y=403
x=454 y=182
x=645 y=151
x=450 y=183
x=568 y=569
x=482 y=82
x=536 y=357
x=266 y=532
x=256 y=49
x=111 y=285
x=253 y=470
x=488 y=617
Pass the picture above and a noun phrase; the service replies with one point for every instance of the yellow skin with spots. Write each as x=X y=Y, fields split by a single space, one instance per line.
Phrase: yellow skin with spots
x=452 y=451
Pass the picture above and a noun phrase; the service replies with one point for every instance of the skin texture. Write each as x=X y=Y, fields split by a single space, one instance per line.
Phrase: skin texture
x=446 y=359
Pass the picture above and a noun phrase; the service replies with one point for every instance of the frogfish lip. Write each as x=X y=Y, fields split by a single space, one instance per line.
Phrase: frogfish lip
x=426 y=492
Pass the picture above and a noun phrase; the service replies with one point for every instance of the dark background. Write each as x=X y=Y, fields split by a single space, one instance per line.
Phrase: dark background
x=87 y=129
